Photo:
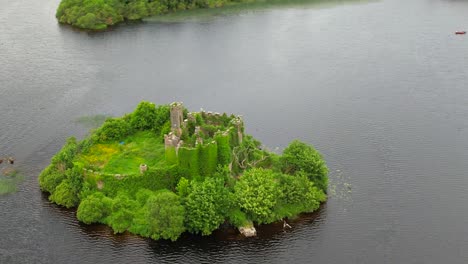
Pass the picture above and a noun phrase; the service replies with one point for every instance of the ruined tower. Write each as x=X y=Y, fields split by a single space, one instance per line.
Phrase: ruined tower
x=239 y=125
x=177 y=118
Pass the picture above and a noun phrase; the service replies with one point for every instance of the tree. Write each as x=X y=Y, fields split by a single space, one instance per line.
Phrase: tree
x=113 y=129
x=64 y=158
x=122 y=213
x=87 y=21
x=64 y=195
x=206 y=205
x=183 y=187
x=144 y=115
x=256 y=193
x=92 y=209
x=299 y=156
x=165 y=216
x=50 y=178
x=298 y=194
x=162 y=117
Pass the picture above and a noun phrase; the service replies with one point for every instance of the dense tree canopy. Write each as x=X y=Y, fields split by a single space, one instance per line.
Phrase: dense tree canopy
x=99 y=14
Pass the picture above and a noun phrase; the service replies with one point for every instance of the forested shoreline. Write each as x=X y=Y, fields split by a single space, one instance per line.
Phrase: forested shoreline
x=99 y=14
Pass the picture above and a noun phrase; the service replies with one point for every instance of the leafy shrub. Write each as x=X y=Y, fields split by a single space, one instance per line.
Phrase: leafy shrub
x=183 y=187
x=64 y=195
x=123 y=209
x=144 y=116
x=237 y=218
x=143 y=195
x=256 y=193
x=297 y=195
x=206 y=205
x=299 y=156
x=93 y=209
x=113 y=129
x=165 y=129
x=50 y=178
x=162 y=122
x=165 y=216
x=66 y=155
x=54 y=174
x=89 y=14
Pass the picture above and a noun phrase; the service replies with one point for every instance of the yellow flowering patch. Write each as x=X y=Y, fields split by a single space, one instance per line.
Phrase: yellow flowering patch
x=100 y=154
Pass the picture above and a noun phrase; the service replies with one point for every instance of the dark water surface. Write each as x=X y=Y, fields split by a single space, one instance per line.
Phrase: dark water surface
x=380 y=88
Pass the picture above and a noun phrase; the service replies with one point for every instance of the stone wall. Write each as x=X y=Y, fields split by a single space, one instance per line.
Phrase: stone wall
x=177 y=118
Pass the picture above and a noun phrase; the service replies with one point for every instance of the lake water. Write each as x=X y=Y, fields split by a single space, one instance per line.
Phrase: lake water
x=380 y=88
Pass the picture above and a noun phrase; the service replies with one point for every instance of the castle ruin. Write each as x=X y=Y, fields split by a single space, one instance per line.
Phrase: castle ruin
x=179 y=125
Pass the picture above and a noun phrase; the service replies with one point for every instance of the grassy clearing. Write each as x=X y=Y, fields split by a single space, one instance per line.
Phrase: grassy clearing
x=125 y=157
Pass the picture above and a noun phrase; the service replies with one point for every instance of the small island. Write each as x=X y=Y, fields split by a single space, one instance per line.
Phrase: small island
x=161 y=171
x=99 y=14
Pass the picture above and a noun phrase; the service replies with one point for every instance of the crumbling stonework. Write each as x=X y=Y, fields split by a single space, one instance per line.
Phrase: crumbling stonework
x=171 y=140
x=178 y=124
x=177 y=118
x=143 y=168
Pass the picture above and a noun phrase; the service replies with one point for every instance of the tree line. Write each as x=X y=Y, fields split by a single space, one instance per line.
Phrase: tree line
x=99 y=14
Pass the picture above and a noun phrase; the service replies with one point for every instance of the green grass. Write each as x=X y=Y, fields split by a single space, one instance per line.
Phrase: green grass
x=115 y=158
x=240 y=7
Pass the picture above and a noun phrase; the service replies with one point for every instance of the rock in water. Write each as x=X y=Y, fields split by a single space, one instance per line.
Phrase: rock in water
x=248 y=231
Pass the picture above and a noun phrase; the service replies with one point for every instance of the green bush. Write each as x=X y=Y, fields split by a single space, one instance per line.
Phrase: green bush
x=144 y=116
x=89 y=14
x=237 y=218
x=162 y=119
x=256 y=193
x=67 y=154
x=123 y=209
x=64 y=195
x=183 y=187
x=299 y=156
x=113 y=129
x=50 y=178
x=206 y=205
x=93 y=209
x=297 y=195
x=165 y=129
x=143 y=195
x=165 y=216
